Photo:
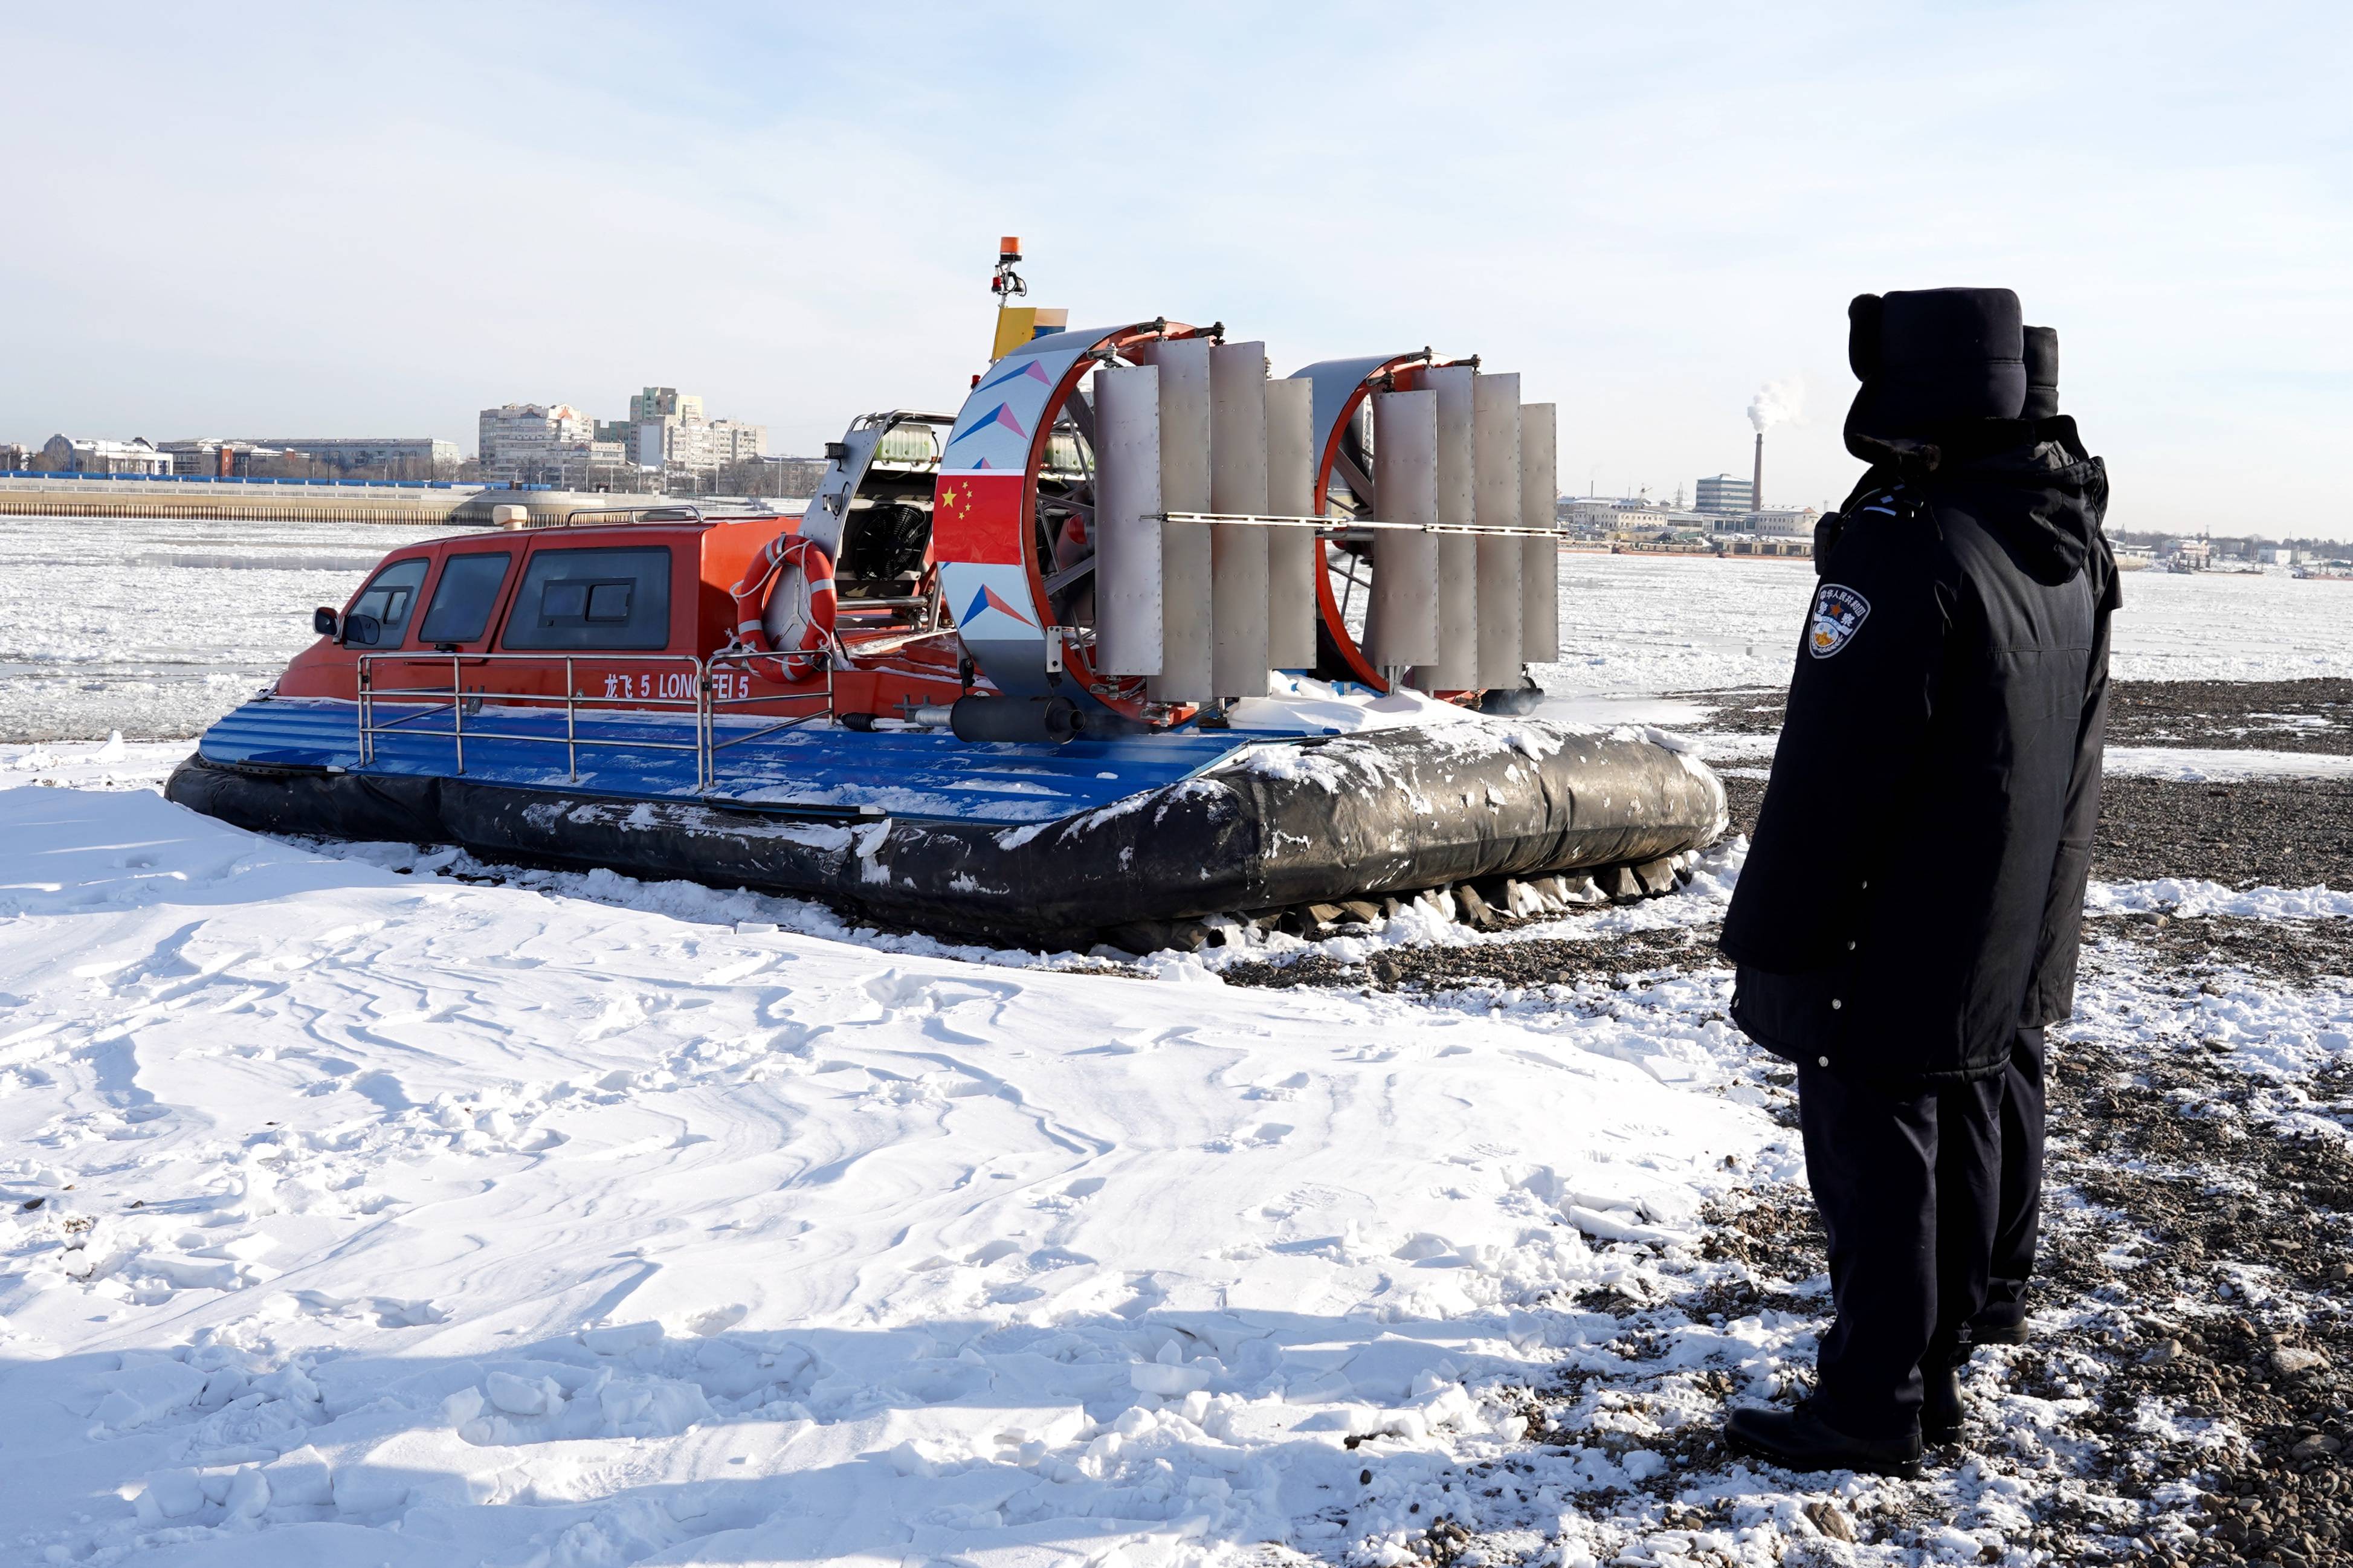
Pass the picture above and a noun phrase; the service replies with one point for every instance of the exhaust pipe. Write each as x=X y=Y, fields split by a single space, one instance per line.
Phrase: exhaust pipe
x=1040 y=721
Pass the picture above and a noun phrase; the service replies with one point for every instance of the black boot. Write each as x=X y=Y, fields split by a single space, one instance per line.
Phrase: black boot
x=1997 y=1333
x=1942 y=1418
x=1801 y=1440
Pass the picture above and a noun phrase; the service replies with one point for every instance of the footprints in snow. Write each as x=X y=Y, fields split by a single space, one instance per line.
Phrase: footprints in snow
x=1287 y=1089
x=1265 y=1135
x=387 y=1312
x=894 y=991
x=302 y=1442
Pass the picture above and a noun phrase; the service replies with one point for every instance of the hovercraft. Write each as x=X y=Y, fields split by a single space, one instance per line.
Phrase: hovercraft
x=1136 y=638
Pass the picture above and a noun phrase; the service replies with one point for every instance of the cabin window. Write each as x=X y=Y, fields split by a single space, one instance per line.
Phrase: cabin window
x=592 y=598
x=464 y=598
x=390 y=597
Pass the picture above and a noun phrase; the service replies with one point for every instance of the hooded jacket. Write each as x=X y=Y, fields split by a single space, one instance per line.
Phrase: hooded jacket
x=1914 y=893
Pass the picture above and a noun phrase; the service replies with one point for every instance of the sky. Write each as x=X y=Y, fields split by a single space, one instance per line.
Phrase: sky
x=293 y=220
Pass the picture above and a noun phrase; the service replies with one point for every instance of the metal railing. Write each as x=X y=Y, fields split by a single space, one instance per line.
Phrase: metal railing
x=77 y=475
x=702 y=700
x=661 y=511
x=715 y=669
x=1349 y=528
x=1349 y=531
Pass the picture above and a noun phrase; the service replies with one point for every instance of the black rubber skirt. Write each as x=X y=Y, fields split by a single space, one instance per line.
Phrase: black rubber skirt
x=1271 y=825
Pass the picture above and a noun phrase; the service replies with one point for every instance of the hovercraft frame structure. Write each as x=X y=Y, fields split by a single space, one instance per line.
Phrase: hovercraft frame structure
x=1137 y=637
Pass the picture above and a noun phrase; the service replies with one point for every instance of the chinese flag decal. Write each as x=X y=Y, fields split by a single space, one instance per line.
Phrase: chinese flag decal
x=978 y=518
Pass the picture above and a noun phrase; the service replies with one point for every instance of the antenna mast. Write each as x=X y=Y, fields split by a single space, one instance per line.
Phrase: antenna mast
x=1005 y=283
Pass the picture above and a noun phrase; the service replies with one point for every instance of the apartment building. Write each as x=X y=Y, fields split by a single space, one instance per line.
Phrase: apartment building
x=529 y=440
x=672 y=441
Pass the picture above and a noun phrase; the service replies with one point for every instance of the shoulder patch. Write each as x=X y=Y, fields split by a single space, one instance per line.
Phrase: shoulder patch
x=1839 y=614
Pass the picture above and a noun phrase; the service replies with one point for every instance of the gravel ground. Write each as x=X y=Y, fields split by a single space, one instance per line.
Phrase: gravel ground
x=2184 y=1399
x=2265 y=715
x=2285 y=832
x=2180 y=1402
x=2295 y=952
x=2281 y=832
x=2314 y=715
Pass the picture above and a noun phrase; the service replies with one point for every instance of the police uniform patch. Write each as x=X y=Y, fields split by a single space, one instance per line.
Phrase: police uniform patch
x=1839 y=614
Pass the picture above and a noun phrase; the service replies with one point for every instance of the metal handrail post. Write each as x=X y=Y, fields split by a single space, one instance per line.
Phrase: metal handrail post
x=823 y=709
x=457 y=713
x=367 y=733
x=571 y=723
x=703 y=726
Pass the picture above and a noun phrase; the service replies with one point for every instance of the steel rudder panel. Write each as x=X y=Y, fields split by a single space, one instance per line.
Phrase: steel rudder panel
x=1128 y=530
x=1290 y=551
x=1401 y=624
x=1455 y=666
x=1495 y=487
x=1185 y=570
x=1238 y=551
x=1540 y=568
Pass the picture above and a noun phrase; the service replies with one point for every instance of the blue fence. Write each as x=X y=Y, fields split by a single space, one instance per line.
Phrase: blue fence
x=217 y=479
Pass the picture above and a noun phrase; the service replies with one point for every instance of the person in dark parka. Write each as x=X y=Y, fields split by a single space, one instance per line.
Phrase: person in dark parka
x=2018 y=1217
x=1907 y=920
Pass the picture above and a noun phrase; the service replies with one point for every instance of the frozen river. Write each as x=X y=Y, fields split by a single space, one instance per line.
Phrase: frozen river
x=156 y=628
x=1632 y=624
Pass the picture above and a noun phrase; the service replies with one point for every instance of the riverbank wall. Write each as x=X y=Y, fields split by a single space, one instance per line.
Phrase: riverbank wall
x=326 y=500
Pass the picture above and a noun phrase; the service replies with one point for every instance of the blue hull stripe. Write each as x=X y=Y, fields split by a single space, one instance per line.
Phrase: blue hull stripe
x=903 y=773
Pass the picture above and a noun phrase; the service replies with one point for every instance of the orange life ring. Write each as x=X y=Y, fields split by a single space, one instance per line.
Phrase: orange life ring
x=816 y=567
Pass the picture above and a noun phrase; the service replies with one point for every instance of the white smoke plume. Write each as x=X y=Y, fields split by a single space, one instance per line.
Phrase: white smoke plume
x=1777 y=401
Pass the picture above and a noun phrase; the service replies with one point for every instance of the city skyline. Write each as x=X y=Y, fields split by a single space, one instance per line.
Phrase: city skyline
x=1649 y=218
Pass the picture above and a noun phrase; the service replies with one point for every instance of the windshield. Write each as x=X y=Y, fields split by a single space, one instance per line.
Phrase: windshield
x=390 y=597
x=463 y=599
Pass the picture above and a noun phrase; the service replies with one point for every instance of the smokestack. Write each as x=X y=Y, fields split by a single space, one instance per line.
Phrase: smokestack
x=1756 y=479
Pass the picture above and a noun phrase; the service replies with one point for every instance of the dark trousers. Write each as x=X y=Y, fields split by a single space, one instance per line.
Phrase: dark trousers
x=2020 y=1217
x=1909 y=1186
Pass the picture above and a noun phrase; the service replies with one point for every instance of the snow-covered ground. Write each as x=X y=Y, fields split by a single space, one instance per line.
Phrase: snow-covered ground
x=156 y=628
x=364 y=1215
x=2199 y=764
